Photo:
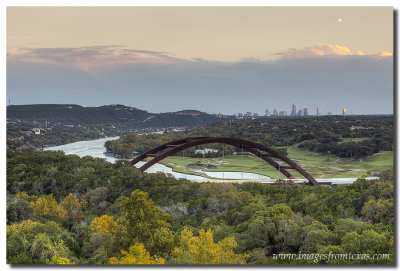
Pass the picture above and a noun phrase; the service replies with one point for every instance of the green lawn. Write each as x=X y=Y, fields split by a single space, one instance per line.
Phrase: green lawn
x=354 y=139
x=318 y=165
x=329 y=166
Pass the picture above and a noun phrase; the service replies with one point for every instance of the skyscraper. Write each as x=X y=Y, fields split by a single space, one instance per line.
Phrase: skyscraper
x=267 y=113
x=306 y=113
x=319 y=111
x=293 y=110
x=300 y=113
x=276 y=112
x=344 y=112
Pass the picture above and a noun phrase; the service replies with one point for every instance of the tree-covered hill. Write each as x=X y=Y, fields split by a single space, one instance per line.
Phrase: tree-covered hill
x=107 y=114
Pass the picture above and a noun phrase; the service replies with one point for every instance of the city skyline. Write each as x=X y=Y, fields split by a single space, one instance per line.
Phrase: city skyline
x=301 y=112
x=165 y=59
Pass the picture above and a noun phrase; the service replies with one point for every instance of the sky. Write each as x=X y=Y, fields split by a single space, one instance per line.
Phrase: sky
x=213 y=59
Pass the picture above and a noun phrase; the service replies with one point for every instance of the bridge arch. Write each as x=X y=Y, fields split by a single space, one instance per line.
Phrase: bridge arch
x=265 y=153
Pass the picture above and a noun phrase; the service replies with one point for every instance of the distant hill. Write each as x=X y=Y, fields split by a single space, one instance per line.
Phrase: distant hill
x=107 y=114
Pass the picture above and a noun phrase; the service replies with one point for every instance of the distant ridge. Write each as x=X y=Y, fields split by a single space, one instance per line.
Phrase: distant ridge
x=107 y=114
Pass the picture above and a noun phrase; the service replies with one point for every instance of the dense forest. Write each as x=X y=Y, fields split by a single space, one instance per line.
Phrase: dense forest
x=319 y=134
x=57 y=135
x=70 y=210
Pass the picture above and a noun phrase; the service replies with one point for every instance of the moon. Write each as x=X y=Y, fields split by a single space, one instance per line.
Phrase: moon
x=339 y=20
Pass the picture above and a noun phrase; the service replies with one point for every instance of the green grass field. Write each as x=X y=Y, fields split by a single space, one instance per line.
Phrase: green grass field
x=356 y=139
x=318 y=165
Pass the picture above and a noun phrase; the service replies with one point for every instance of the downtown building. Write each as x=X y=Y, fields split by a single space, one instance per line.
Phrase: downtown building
x=294 y=112
x=300 y=113
x=282 y=113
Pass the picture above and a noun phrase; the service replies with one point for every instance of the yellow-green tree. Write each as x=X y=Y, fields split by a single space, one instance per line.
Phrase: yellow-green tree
x=47 y=205
x=72 y=205
x=25 y=196
x=202 y=249
x=104 y=224
x=139 y=221
x=137 y=255
x=44 y=249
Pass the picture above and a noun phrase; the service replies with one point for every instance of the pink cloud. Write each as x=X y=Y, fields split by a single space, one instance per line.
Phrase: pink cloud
x=384 y=53
x=325 y=50
x=89 y=58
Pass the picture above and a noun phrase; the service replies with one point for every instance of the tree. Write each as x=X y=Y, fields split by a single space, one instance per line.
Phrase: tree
x=26 y=197
x=163 y=241
x=288 y=236
x=18 y=210
x=33 y=242
x=47 y=206
x=44 y=250
x=104 y=224
x=137 y=255
x=316 y=239
x=343 y=226
x=72 y=205
x=368 y=241
x=378 y=211
x=97 y=198
x=16 y=245
x=202 y=249
x=139 y=220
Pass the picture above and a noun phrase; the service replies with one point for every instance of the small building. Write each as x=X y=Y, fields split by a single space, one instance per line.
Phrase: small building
x=212 y=166
x=352 y=128
x=205 y=151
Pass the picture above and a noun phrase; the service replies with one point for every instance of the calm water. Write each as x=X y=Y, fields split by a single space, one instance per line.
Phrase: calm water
x=95 y=148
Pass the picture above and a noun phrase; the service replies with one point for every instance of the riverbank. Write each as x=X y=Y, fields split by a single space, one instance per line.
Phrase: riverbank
x=245 y=168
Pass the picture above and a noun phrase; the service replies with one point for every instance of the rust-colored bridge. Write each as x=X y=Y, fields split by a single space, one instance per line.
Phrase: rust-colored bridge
x=265 y=153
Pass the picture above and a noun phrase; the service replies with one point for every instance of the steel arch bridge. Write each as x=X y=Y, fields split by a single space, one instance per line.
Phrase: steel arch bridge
x=263 y=152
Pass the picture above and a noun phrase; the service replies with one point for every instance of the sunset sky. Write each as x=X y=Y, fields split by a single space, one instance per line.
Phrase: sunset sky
x=213 y=59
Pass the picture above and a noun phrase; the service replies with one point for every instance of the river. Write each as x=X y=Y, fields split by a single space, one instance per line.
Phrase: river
x=95 y=148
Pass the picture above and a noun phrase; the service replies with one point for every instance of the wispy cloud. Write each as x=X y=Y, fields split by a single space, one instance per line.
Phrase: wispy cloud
x=324 y=50
x=91 y=57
